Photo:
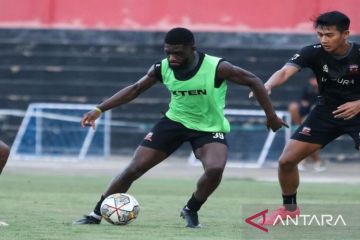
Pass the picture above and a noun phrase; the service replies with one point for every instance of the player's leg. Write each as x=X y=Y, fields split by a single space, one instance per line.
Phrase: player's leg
x=315 y=156
x=299 y=112
x=161 y=142
x=4 y=154
x=317 y=131
x=156 y=147
x=288 y=173
x=213 y=156
x=144 y=159
x=319 y=128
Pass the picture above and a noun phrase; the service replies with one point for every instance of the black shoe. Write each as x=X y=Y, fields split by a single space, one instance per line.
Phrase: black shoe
x=191 y=218
x=87 y=220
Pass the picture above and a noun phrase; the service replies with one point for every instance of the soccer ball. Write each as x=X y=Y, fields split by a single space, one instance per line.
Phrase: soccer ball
x=119 y=208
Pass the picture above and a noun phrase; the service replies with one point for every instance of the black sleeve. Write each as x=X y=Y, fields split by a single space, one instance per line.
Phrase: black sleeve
x=305 y=57
x=157 y=68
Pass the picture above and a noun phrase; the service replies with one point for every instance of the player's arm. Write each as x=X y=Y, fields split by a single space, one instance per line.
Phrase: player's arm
x=130 y=92
x=123 y=96
x=281 y=76
x=305 y=57
x=240 y=76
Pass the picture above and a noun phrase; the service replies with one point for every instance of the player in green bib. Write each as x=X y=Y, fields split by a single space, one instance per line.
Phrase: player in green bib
x=197 y=83
x=196 y=97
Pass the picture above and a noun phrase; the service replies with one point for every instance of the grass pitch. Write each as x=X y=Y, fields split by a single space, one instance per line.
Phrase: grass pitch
x=43 y=207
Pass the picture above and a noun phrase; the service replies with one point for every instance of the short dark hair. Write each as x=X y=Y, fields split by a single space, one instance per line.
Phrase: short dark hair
x=334 y=18
x=179 y=35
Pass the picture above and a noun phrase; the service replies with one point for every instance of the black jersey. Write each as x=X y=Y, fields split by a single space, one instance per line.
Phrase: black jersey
x=338 y=77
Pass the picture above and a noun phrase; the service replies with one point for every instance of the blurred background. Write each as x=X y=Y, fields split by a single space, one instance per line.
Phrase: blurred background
x=73 y=54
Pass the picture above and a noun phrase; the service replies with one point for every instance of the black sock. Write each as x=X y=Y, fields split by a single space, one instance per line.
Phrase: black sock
x=193 y=204
x=289 y=202
x=98 y=205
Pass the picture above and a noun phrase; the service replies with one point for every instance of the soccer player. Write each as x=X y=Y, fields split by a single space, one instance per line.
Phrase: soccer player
x=4 y=154
x=335 y=62
x=197 y=83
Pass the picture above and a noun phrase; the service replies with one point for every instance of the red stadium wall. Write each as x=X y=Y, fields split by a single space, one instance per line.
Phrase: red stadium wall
x=291 y=16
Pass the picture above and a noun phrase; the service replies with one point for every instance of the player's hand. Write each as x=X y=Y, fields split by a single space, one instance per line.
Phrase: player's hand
x=347 y=110
x=268 y=90
x=89 y=118
x=275 y=123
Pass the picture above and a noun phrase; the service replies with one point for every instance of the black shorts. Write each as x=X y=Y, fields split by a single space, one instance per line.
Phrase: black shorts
x=168 y=135
x=321 y=127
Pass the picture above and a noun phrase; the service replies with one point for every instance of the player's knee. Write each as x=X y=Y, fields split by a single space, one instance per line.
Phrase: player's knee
x=286 y=164
x=214 y=173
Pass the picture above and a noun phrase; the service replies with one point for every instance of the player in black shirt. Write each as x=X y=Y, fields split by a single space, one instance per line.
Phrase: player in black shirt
x=335 y=62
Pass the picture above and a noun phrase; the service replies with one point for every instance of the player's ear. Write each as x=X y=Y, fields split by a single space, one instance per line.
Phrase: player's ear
x=346 y=34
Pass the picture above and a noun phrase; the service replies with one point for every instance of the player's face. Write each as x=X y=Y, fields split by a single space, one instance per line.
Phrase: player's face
x=332 y=40
x=179 y=56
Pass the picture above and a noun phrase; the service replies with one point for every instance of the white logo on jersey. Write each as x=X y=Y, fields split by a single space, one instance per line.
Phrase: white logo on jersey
x=296 y=55
x=325 y=68
x=341 y=81
x=354 y=68
x=317 y=46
